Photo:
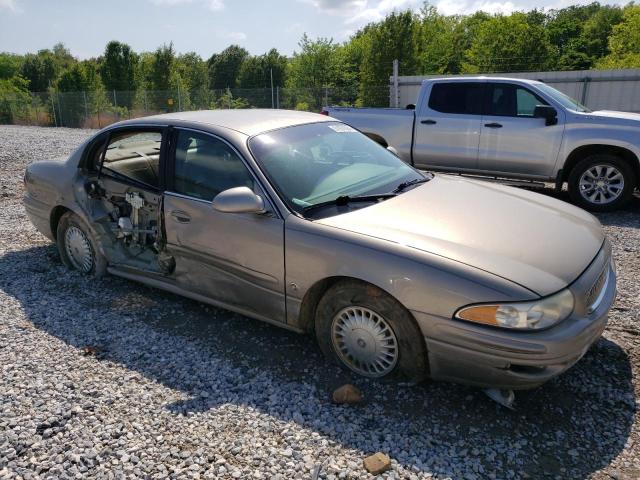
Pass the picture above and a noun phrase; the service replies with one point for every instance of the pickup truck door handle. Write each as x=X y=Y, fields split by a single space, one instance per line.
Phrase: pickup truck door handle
x=428 y=122
x=493 y=125
x=180 y=216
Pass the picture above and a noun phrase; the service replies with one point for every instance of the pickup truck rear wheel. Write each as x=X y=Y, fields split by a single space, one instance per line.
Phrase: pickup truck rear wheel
x=365 y=330
x=601 y=183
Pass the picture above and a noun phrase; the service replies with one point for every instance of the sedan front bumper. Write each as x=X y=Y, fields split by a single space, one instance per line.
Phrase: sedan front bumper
x=473 y=354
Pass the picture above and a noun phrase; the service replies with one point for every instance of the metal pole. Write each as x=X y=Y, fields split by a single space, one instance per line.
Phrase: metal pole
x=271 y=74
x=585 y=87
x=86 y=110
x=396 y=93
x=53 y=109
x=278 y=97
x=179 y=99
x=60 y=111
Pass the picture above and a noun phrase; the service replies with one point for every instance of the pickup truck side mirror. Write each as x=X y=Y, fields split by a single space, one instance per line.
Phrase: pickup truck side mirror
x=547 y=112
x=238 y=200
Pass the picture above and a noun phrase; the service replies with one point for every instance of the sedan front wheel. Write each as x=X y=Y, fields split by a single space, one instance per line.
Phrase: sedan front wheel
x=367 y=331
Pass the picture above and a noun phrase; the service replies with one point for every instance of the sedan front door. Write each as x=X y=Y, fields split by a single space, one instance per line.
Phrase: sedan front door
x=234 y=259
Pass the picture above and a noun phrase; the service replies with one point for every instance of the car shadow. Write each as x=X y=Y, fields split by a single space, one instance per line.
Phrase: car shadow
x=218 y=358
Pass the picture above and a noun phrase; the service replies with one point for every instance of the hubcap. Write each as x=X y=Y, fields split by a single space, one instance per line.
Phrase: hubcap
x=78 y=249
x=601 y=184
x=364 y=341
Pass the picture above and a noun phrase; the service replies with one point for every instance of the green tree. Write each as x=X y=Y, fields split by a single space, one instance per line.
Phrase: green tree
x=395 y=37
x=624 y=42
x=315 y=65
x=118 y=67
x=194 y=75
x=15 y=99
x=162 y=66
x=438 y=42
x=10 y=65
x=40 y=70
x=224 y=67
x=509 y=44
x=580 y=34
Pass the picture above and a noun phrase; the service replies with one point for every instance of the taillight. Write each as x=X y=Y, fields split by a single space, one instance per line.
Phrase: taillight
x=324 y=112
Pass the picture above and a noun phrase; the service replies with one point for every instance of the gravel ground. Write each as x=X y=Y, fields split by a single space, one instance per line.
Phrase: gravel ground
x=181 y=390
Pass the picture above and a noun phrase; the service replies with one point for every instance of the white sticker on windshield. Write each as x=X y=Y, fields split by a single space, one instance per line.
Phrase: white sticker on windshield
x=341 y=128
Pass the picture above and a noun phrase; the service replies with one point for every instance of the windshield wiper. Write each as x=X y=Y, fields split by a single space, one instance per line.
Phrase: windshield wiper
x=405 y=185
x=346 y=199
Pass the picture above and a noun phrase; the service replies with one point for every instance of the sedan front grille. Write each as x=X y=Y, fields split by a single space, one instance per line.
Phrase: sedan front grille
x=595 y=293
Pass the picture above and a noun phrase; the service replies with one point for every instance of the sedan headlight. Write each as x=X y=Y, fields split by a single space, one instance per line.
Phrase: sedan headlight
x=521 y=315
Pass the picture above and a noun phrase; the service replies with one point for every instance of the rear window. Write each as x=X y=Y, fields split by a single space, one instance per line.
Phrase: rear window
x=456 y=97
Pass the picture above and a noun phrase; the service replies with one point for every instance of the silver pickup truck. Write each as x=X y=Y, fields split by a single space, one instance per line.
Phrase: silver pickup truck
x=511 y=128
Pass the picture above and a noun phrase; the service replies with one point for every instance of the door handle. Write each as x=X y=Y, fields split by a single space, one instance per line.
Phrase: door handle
x=493 y=125
x=428 y=122
x=180 y=216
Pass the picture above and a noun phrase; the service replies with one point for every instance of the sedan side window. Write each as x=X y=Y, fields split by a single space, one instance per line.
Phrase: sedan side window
x=135 y=155
x=508 y=100
x=206 y=166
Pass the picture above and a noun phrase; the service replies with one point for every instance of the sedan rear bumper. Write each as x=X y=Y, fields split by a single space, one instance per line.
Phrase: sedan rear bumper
x=464 y=352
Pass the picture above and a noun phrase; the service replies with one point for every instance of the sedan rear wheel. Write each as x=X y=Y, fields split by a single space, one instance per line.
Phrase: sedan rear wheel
x=365 y=330
x=601 y=183
x=77 y=246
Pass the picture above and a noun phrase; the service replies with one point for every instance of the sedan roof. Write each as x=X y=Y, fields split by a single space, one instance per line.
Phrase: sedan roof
x=249 y=121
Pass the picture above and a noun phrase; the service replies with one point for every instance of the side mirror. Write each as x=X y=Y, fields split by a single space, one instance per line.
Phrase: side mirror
x=238 y=200
x=547 y=112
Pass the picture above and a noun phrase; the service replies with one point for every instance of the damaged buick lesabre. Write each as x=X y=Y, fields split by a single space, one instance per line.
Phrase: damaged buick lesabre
x=299 y=220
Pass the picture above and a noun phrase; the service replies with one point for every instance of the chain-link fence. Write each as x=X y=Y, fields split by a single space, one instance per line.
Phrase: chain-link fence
x=97 y=109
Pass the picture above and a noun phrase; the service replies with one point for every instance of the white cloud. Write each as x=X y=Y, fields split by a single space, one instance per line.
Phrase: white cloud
x=235 y=36
x=338 y=7
x=457 y=7
x=376 y=11
x=362 y=11
x=213 y=5
x=11 y=5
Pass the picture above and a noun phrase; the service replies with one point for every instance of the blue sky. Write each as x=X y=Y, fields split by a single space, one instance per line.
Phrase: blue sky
x=208 y=26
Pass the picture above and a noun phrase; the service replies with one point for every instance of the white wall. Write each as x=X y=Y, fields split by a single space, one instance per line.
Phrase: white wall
x=605 y=89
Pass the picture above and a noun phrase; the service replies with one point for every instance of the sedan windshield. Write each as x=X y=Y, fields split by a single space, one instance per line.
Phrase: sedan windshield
x=564 y=100
x=330 y=163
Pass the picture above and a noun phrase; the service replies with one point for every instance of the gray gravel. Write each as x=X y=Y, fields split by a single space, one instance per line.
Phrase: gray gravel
x=177 y=389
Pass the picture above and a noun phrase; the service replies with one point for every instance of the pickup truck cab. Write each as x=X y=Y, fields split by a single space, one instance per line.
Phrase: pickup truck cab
x=511 y=128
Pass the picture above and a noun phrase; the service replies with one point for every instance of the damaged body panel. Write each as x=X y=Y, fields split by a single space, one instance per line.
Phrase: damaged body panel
x=298 y=220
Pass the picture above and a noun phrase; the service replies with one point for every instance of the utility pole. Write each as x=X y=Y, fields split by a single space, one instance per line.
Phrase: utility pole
x=273 y=105
x=396 y=93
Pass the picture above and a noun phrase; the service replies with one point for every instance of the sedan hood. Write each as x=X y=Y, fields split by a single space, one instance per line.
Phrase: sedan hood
x=533 y=240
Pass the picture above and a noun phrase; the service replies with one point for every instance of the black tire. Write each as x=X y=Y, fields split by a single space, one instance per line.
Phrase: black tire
x=98 y=263
x=607 y=160
x=411 y=362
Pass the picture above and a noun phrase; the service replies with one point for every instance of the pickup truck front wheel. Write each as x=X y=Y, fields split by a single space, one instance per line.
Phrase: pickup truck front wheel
x=601 y=183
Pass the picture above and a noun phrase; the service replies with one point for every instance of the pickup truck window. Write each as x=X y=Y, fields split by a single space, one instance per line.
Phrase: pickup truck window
x=508 y=100
x=456 y=97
